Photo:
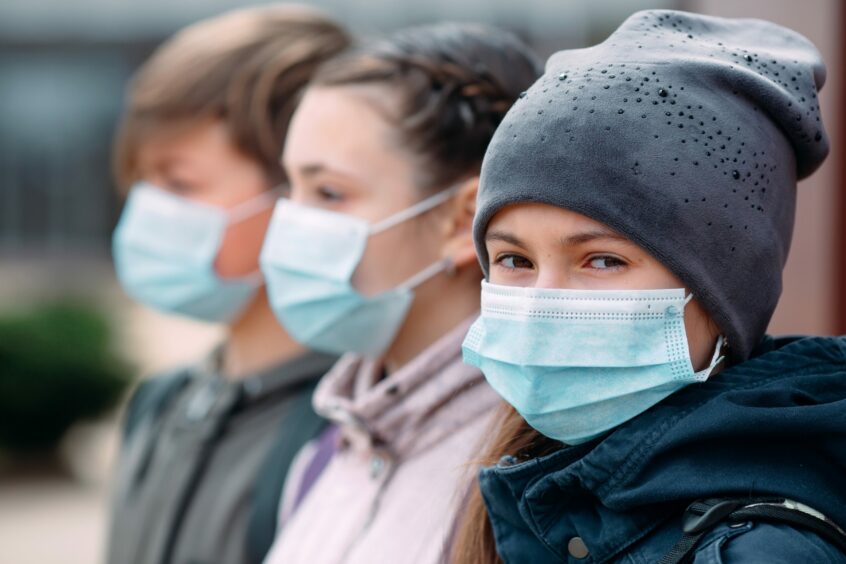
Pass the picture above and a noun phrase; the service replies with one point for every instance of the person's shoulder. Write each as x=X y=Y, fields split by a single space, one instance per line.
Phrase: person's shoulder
x=151 y=396
x=765 y=542
x=824 y=347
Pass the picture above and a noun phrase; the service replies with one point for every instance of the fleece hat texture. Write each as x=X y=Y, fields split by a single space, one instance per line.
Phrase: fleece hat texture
x=684 y=133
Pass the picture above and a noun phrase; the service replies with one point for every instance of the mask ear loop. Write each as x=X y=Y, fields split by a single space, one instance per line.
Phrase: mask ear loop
x=253 y=206
x=417 y=209
x=424 y=275
x=716 y=358
x=247 y=209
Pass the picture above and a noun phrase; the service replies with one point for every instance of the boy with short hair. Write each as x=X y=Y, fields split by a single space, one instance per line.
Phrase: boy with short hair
x=206 y=448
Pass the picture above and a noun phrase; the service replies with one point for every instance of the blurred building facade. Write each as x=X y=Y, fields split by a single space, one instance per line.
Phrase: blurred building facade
x=64 y=67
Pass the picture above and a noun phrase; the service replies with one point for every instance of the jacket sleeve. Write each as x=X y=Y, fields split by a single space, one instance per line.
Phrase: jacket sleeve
x=764 y=542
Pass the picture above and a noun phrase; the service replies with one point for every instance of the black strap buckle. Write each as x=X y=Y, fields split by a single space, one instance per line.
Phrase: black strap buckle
x=703 y=515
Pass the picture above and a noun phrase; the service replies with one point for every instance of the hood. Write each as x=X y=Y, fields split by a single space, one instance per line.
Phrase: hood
x=775 y=424
x=374 y=411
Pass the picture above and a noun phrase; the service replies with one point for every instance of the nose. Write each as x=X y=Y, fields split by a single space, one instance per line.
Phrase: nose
x=297 y=194
x=551 y=278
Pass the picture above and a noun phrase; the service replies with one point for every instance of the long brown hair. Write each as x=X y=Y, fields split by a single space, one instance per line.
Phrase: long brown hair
x=247 y=68
x=454 y=82
x=473 y=542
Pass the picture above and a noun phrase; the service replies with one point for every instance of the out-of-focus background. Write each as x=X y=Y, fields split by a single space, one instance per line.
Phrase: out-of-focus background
x=72 y=342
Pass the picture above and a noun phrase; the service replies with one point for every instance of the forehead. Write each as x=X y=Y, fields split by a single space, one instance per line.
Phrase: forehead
x=340 y=123
x=184 y=140
x=542 y=219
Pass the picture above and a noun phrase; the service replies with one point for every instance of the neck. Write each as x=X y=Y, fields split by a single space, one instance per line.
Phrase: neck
x=440 y=304
x=257 y=341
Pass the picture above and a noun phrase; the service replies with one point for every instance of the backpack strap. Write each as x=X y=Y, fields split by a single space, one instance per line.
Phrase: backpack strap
x=142 y=417
x=327 y=445
x=151 y=398
x=703 y=515
x=264 y=512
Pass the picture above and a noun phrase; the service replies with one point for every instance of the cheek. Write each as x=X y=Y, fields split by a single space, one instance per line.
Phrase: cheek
x=394 y=256
x=241 y=246
x=524 y=278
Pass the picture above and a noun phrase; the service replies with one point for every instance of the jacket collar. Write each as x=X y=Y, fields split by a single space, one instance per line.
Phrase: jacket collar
x=385 y=413
x=281 y=378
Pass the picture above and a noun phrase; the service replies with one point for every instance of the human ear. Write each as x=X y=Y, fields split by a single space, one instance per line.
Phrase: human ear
x=458 y=235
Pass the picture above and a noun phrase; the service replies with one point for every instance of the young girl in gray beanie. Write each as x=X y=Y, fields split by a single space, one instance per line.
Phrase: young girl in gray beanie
x=634 y=215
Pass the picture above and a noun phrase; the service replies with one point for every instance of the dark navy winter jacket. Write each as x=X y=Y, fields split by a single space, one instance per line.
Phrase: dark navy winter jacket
x=773 y=425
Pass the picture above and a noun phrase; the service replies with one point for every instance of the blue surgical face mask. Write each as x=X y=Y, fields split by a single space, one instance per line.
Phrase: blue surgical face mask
x=308 y=261
x=578 y=363
x=164 y=250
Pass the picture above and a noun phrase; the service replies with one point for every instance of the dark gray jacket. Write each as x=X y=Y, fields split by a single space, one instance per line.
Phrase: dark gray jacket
x=203 y=463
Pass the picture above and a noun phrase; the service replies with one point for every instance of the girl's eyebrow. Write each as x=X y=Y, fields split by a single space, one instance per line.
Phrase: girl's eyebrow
x=310 y=170
x=588 y=236
x=569 y=240
x=505 y=237
x=169 y=165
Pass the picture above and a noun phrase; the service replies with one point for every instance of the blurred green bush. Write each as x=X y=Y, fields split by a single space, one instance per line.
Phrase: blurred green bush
x=57 y=366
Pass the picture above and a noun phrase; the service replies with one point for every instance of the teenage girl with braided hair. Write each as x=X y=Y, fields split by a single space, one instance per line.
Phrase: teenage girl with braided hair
x=372 y=255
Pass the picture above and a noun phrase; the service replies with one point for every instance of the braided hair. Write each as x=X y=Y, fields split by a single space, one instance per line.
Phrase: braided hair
x=453 y=82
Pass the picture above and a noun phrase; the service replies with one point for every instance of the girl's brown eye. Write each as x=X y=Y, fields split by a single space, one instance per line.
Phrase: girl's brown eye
x=180 y=187
x=514 y=262
x=329 y=194
x=606 y=262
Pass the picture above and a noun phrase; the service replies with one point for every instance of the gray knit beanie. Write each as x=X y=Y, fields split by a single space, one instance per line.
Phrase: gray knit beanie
x=684 y=133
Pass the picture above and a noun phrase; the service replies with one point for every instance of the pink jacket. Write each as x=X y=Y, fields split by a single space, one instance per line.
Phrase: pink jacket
x=391 y=491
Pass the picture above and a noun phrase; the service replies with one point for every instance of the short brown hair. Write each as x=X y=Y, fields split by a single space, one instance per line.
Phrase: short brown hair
x=246 y=67
x=454 y=83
